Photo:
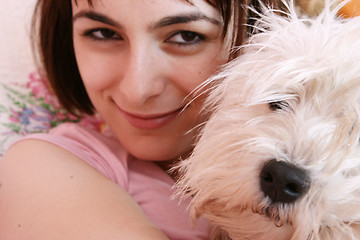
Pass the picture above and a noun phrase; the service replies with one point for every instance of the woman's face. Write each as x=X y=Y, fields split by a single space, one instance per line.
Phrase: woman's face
x=139 y=60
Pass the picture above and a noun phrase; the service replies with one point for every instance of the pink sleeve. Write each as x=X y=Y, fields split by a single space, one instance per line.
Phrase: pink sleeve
x=145 y=181
x=101 y=152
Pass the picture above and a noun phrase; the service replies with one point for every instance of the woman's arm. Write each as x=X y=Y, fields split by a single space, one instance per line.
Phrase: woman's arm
x=48 y=193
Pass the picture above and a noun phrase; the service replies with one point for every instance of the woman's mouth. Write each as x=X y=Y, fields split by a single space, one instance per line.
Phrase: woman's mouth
x=150 y=121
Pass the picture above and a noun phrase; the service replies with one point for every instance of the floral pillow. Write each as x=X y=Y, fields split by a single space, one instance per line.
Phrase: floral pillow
x=32 y=107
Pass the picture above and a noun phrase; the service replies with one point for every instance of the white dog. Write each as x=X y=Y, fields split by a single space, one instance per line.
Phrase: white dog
x=279 y=158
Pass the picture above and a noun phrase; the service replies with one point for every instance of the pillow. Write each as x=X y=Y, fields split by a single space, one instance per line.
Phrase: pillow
x=33 y=108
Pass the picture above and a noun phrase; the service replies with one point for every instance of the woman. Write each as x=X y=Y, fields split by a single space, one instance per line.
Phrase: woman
x=135 y=63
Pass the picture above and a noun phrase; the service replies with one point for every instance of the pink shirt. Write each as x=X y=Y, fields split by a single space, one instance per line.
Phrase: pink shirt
x=146 y=182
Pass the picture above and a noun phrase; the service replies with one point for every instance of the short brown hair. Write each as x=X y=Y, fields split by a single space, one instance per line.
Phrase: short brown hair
x=52 y=40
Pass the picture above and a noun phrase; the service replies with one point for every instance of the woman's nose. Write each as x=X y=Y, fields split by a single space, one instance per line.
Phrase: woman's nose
x=144 y=75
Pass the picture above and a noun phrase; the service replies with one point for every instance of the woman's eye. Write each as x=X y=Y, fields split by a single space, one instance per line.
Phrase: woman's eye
x=103 y=34
x=185 y=38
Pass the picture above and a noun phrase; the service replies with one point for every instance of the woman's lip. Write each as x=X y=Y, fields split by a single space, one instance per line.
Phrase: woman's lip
x=150 y=121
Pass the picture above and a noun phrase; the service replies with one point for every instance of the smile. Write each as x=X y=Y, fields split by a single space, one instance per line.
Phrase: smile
x=151 y=121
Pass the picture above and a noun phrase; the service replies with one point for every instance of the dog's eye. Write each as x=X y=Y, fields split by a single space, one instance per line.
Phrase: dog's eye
x=274 y=106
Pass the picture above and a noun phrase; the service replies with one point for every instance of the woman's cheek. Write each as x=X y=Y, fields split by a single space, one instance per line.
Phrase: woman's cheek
x=195 y=72
x=97 y=72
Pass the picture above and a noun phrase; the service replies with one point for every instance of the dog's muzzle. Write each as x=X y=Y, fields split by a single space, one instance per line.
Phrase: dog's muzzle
x=283 y=182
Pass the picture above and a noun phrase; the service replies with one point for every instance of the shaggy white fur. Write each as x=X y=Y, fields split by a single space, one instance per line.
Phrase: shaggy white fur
x=293 y=96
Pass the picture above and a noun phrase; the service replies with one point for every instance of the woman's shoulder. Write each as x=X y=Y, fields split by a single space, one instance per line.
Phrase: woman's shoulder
x=101 y=151
x=47 y=192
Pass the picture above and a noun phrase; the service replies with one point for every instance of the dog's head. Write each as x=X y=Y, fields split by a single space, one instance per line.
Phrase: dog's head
x=279 y=158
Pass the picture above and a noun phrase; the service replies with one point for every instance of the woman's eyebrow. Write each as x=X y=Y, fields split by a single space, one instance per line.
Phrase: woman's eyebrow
x=166 y=21
x=98 y=17
x=183 y=18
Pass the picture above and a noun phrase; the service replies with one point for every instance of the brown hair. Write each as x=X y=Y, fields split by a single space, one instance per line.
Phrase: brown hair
x=52 y=40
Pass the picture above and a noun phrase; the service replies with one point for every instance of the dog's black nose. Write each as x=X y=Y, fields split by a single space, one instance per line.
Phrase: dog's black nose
x=283 y=182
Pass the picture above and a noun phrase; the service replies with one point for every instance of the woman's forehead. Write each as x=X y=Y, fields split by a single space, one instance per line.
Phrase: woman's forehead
x=154 y=7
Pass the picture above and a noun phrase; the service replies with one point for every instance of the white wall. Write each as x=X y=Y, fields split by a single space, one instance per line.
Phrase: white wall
x=16 y=61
